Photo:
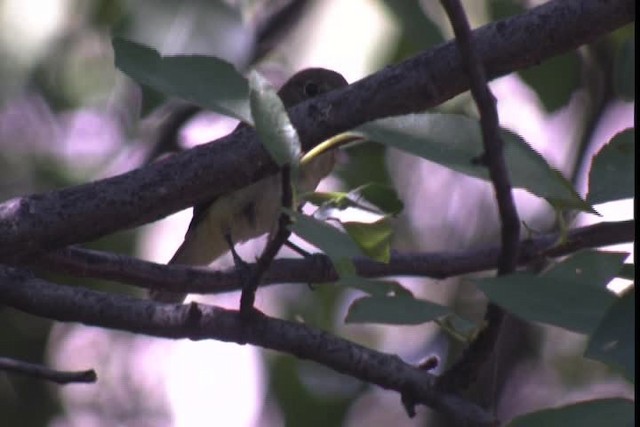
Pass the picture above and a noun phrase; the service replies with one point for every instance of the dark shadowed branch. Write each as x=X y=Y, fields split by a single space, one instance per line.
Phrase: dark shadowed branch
x=318 y=269
x=34 y=224
x=21 y=290
x=465 y=371
x=493 y=156
x=44 y=373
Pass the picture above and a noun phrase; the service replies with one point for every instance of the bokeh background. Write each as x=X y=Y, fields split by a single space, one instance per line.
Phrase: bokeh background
x=67 y=116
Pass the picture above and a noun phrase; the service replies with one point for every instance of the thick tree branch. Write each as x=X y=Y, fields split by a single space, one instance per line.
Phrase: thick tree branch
x=44 y=373
x=318 y=269
x=21 y=290
x=35 y=224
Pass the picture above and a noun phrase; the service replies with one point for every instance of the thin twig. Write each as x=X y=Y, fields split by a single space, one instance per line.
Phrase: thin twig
x=274 y=244
x=42 y=372
x=466 y=370
x=80 y=262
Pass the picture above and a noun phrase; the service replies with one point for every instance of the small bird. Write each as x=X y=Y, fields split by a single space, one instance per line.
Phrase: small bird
x=253 y=210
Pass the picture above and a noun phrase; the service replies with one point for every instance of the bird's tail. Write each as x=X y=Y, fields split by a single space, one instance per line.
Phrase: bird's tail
x=167 y=296
x=198 y=248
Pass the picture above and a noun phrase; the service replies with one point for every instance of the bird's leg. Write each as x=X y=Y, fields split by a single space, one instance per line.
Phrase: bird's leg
x=274 y=244
x=242 y=267
x=237 y=260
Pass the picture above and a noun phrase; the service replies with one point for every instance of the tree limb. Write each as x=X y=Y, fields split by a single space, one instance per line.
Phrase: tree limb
x=21 y=290
x=35 y=224
x=318 y=269
x=465 y=371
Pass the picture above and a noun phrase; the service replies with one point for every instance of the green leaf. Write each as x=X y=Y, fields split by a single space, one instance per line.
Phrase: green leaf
x=382 y=196
x=612 y=170
x=455 y=142
x=374 y=239
x=209 y=82
x=572 y=305
x=272 y=123
x=628 y=272
x=344 y=267
x=591 y=267
x=337 y=199
x=589 y=413
x=460 y=327
x=329 y=239
x=418 y=31
x=302 y=390
x=375 y=287
x=554 y=92
x=365 y=163
x=624 y=70
x=572 y=294
x=398 y=310
x=336 y=244
x=613 y=341
x=503 y=9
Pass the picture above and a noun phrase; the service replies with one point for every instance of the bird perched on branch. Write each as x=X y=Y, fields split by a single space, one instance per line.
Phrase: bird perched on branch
x=253 y=210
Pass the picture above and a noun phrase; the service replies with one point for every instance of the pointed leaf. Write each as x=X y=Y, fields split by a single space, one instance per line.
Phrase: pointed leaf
x=568 y=304
x=554 y=92
x=337 y=199
x=398 y=310
x=590 y=413
x=336 y=244
x=207 y=81
x=330 y=240
x=364 y=163
x=374 y=239
x=612 y=170
x=591 y=267
x=272 y=123
x=375 y=287
x=624 y=70
x=628 y=272
x=419 y=31
x=382 y=196
x=613 y=341
x=455 y=142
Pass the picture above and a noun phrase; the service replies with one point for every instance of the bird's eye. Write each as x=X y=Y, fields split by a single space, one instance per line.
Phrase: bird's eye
x=311 y=89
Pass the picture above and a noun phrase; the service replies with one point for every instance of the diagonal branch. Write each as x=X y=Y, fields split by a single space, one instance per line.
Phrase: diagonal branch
x=39 y=223
x=492 y=141
x=465 y=371
x=21 y=290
